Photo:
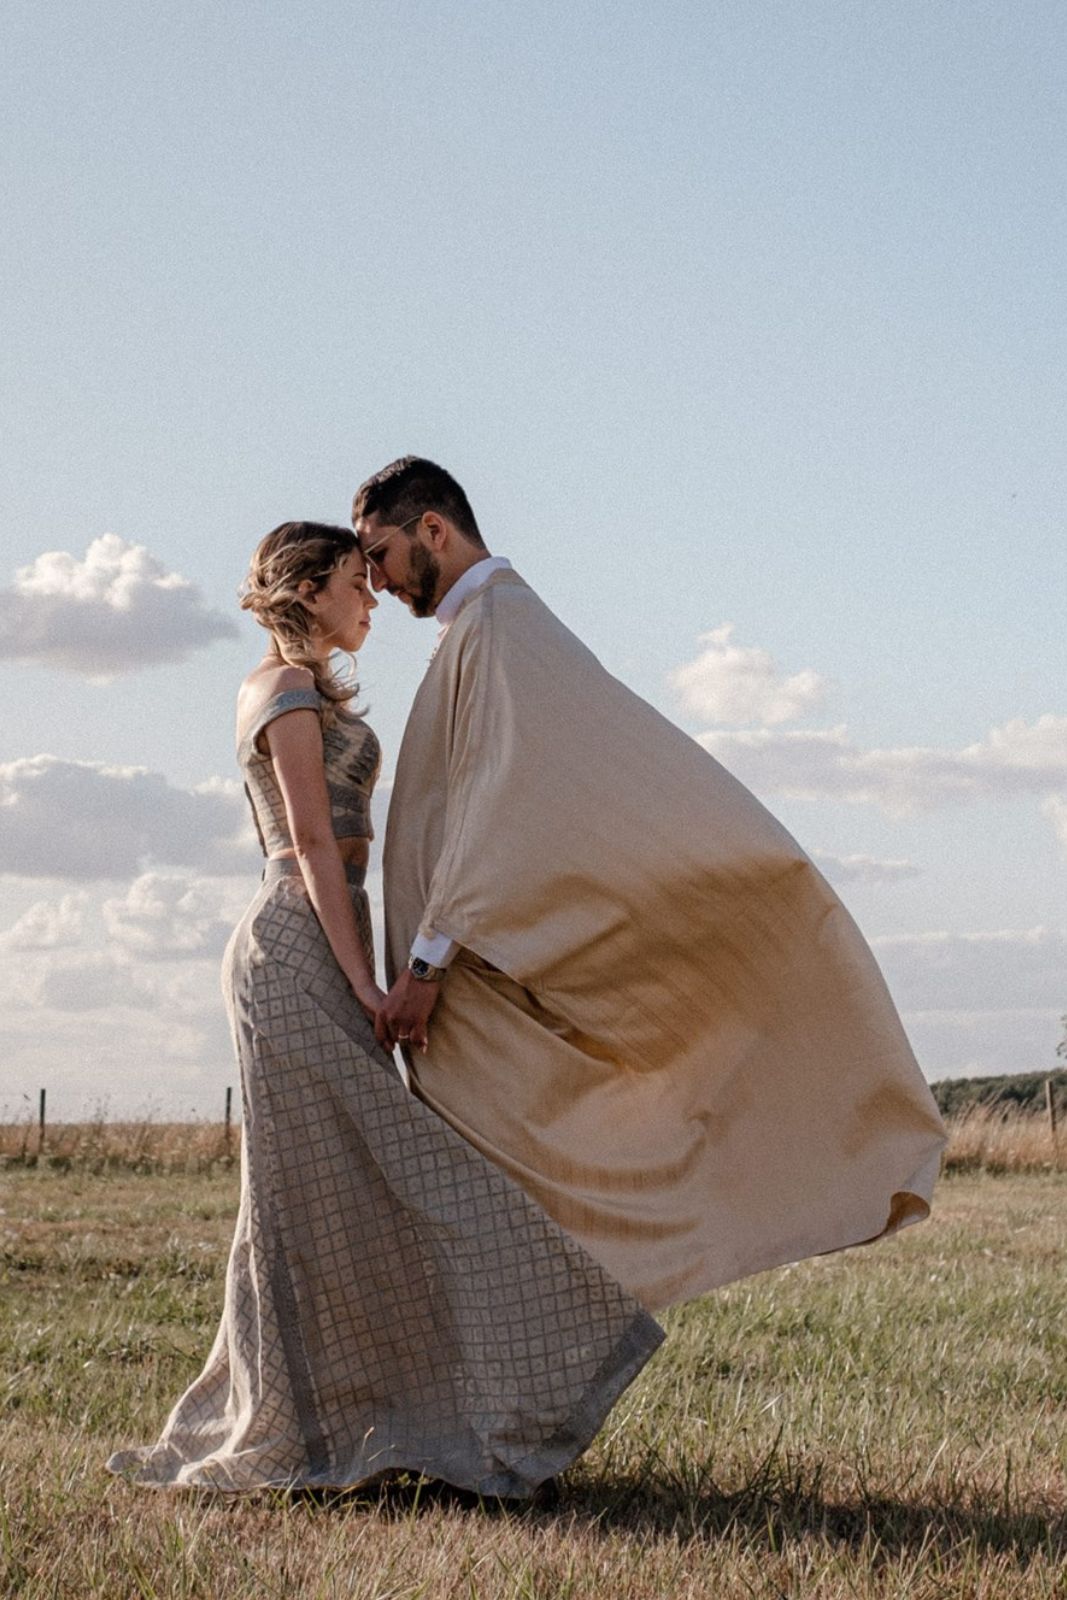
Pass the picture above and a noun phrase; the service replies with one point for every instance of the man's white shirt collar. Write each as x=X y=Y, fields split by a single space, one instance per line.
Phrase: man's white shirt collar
x=467 y=584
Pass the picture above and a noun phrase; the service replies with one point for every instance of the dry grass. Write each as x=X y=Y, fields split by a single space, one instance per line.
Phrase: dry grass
x=883 y=1423
x=991 y=1139
x=101 y=1145
x=985 y=1138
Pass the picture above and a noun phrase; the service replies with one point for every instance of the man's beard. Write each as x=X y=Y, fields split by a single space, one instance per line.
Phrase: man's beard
x=424 y=574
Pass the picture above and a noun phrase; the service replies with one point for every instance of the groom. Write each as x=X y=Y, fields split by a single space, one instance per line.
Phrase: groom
x=612 y=970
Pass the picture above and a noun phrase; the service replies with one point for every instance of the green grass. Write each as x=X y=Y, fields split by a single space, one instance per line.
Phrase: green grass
x=888 y=1422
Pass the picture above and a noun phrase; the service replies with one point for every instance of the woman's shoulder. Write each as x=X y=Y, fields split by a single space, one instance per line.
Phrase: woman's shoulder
x=265 y=683
x=258 y=696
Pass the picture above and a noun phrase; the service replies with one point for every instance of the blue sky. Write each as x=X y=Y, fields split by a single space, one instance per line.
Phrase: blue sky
x=739 y=313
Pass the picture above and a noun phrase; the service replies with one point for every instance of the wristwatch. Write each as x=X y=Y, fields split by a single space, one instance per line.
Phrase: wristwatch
x=423 y=971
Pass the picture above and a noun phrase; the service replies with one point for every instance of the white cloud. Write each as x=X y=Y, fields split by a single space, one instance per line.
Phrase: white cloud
x=47 y=925
x=156 y=948
x=168 y=916
x=84 y=820
x=1056 y=808
x=1016 y=759
x=864 y=869
x=735 y=684
x=105 y=1022
x=116 y=610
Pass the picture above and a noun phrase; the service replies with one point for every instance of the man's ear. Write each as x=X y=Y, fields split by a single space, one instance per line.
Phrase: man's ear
x=436 y=529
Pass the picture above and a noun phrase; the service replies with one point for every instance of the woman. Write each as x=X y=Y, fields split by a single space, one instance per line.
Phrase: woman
x=392 y=1300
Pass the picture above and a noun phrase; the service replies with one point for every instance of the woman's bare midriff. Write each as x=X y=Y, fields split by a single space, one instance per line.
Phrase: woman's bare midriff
x=355 y=852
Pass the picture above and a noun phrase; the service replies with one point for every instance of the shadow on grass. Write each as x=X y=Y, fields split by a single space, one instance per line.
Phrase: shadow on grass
x=775 y=1515
x=768 y=1514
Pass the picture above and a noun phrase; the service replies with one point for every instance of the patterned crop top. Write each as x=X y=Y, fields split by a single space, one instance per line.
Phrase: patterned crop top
x=352 y=757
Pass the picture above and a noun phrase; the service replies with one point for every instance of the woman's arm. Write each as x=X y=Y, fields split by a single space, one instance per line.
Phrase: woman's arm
x=295 y=743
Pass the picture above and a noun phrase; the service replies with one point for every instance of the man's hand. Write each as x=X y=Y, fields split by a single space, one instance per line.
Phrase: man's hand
x=403 y=1017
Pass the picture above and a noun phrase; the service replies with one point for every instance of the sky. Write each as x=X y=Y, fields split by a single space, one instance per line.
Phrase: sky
x=743 y=326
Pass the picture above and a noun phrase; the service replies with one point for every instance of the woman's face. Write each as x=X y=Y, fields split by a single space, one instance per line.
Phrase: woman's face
x=341 y=608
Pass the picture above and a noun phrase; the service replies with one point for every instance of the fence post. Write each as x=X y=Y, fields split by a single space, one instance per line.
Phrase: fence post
x=40 y=1122
x=1050 y=1107
x=229 y=1112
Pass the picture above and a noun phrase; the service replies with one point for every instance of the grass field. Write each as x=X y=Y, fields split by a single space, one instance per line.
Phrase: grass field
x=887 y=1422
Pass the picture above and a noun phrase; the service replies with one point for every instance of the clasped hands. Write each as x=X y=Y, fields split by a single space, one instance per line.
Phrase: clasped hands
x=402 y=1015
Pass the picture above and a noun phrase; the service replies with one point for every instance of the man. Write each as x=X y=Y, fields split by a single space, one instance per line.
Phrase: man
x=612 y=970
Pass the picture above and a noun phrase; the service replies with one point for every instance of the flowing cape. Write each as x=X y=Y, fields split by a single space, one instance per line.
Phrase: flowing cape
x=663 y=1023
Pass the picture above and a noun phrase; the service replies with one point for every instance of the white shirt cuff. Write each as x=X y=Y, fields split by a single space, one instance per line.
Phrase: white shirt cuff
x=437 y=948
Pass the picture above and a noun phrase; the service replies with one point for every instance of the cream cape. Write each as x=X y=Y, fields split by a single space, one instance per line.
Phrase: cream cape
x=663 y=1023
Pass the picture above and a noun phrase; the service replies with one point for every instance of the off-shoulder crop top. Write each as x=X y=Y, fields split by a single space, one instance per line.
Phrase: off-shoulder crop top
x=352 y=757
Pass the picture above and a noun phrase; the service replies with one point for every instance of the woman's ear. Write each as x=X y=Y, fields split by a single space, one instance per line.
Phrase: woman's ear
x=307 y=593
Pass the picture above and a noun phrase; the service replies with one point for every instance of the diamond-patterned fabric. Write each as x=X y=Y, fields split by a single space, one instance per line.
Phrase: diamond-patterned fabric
x=351 y=758
x=392 y=1300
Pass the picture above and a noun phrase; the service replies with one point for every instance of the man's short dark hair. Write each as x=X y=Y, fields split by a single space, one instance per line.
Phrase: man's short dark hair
x=406 y=488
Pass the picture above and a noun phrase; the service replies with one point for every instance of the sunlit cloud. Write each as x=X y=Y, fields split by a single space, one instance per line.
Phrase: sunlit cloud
x=1056 y=809
x=47 y=925
x=113 y=611
x=1018 y=758
x=864 y=869
x=171 y=916
x=734 y=684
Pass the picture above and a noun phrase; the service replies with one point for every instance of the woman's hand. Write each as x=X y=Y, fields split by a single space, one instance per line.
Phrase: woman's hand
x=405 y=1014
x=370 y=997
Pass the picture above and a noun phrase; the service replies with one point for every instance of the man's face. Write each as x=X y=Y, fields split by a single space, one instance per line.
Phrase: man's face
x=400 y=562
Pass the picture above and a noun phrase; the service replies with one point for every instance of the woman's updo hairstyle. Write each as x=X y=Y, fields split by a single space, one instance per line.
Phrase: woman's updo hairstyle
x=290 y=555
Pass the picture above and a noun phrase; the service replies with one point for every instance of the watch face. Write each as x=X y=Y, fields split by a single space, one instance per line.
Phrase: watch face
x=420 y=967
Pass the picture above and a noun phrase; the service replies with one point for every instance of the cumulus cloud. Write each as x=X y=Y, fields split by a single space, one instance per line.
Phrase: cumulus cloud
x=112 y=612
x=84 y=820
x=864 y=869
x=169 y=916
x=152 y=953
x=47 y=925
x=1056 y=808
x=111 y=992
x=733 y=683
x=1017 y=759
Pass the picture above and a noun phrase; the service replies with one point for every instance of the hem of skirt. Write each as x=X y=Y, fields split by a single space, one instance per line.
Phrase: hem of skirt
x=641 y=1340
x=518 y=1481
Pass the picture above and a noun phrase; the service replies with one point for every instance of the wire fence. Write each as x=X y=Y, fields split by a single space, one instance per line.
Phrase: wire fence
x=986 y=1136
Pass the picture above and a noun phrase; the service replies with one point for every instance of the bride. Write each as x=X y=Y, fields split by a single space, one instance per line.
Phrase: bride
x=393 y=1301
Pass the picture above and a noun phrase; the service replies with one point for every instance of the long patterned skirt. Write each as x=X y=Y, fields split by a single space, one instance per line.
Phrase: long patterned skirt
x=392 y=1300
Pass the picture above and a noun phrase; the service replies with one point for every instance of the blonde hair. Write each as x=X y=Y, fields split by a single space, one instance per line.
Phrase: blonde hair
x=290 y=555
